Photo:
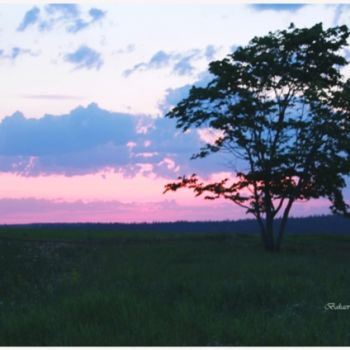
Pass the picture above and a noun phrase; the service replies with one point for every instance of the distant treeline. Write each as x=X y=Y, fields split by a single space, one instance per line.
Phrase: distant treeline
x=325 y=224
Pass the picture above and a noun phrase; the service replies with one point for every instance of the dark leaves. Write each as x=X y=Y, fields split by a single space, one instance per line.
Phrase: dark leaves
x=283 y=107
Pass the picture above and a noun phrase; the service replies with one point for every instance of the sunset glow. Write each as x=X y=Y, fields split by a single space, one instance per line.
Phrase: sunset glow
x=83 y=136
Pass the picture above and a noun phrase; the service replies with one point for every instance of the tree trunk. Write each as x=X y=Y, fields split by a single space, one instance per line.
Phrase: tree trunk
x=269 y=221
x=266 y=233
x=270 y=246
x=266 y=237
x=283 y=224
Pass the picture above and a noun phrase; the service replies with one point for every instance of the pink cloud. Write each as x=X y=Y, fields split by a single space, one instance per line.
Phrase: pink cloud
x=107 y=184
x=110 y=196
x=31 y=210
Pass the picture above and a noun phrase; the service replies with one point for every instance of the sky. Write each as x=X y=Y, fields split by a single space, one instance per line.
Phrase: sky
x=84 y=90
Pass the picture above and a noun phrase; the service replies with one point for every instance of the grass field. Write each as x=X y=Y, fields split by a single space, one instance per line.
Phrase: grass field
x=76 y=287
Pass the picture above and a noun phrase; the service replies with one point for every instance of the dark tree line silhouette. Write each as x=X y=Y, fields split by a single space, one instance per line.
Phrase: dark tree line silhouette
x=322 y=224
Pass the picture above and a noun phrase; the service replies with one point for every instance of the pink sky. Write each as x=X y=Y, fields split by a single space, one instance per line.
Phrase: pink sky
x=92 y=82
x=108 y=196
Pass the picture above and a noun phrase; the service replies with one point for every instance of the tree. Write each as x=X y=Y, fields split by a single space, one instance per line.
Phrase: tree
x=282 y=107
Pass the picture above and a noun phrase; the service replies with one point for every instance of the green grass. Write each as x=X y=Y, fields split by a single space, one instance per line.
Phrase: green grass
x=68 y=288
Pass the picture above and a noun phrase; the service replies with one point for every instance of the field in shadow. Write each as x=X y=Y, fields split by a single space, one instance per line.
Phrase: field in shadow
x=122 y=288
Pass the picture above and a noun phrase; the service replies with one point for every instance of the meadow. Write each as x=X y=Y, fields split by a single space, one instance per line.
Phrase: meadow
x=76 y=286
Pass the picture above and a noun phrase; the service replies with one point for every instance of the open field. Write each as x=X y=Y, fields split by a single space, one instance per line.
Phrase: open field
x=80 y=287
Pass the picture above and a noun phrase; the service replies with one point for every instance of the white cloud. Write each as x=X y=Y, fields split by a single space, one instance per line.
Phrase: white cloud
x=135 y=31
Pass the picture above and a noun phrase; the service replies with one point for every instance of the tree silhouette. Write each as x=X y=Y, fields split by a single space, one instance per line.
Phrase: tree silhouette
x=282 y=107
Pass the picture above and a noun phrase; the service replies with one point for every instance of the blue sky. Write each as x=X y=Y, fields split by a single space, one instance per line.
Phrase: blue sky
x=86 y=86
x=109 y=53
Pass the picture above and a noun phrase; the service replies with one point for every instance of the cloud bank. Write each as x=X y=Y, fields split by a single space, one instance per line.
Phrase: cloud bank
x=33 y=210
x=89 y=139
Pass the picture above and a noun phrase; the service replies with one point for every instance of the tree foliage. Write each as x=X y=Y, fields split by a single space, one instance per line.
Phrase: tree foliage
x=282 y=108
